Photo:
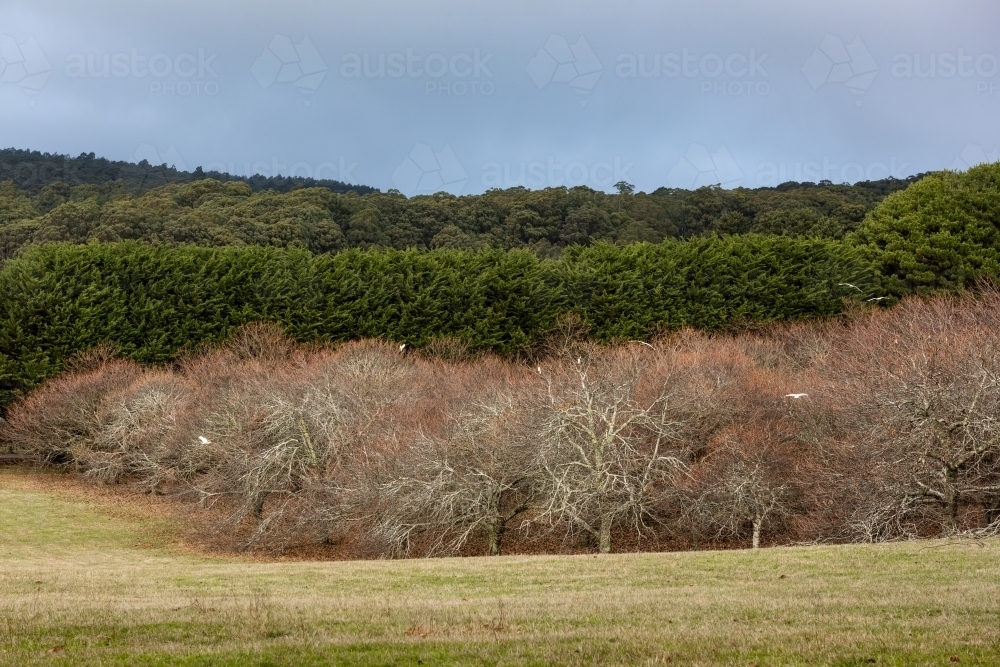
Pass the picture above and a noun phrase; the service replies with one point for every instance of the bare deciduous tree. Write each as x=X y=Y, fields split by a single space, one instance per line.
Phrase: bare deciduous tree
x=481 y=475
x=876 y=426
x=744 y=489
x=296 y=447
x=614 y=435
x=63 y=415
x=136 y=440
x=923 y=394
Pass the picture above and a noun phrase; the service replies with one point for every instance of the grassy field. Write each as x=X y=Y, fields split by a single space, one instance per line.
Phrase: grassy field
x=86 y=580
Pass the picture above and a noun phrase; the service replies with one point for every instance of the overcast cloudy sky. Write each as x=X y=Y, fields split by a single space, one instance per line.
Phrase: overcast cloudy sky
x=463 y=96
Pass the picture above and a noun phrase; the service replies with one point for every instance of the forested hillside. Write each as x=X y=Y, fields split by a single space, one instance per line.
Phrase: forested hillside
x=98 y=200
x=33 y=170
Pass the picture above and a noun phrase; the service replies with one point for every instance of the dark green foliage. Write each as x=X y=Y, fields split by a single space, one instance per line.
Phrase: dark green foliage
x=184 y=264
x=939 y=234
x=709 y=282
x=34 y=171
x=220 y=212
x=154 y=301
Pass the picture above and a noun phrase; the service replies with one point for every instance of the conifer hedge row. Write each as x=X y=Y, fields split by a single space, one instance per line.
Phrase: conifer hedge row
x=154 y=302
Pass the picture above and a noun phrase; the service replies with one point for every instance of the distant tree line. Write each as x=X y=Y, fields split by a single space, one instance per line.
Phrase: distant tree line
x=32 y=170
x=104 y=201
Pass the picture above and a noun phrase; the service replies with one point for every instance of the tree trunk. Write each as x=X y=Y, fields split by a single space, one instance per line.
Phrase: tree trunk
x=952 y=499
x=496 y=525
x=756 y=533
x=604 y=536
x=494 y=536
x=991 y=511
x=258 y=505
x=951 y=524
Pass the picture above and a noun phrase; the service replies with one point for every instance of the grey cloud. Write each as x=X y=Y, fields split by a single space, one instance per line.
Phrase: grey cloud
x=465 y=96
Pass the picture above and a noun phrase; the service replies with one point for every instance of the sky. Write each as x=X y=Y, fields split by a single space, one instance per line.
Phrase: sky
x=464 y=96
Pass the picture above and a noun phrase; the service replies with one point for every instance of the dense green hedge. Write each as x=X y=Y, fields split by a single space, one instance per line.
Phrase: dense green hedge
x=711 y=282
x=155 y=301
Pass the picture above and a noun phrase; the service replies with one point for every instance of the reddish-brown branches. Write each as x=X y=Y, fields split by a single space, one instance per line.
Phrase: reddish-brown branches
x=878 y=426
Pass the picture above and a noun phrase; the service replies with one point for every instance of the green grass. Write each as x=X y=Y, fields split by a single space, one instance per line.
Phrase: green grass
x=82 y=582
